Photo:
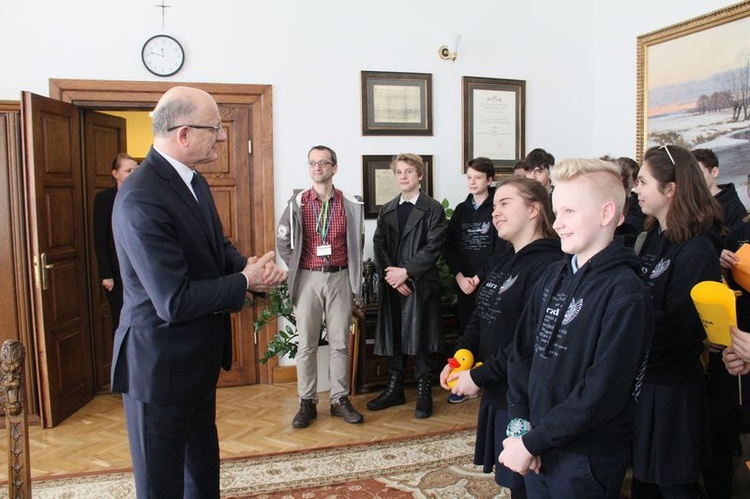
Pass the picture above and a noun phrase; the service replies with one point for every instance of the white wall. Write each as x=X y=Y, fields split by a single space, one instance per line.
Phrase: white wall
x=577 y=57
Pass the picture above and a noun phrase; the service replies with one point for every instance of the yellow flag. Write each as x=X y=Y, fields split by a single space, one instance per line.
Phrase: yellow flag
x=715 y=304
x=741 y=269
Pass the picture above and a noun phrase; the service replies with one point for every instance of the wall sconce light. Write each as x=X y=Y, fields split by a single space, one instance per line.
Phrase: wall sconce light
x=450 y=51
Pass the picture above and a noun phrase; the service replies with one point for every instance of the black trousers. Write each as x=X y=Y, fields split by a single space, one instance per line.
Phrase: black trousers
x=174 y=448
x=424 y=365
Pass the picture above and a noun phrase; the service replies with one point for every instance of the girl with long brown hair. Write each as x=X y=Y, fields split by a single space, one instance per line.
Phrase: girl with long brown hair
x=681 y=248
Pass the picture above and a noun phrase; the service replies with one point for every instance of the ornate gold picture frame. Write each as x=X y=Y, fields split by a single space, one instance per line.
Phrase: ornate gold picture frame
x=694 y=89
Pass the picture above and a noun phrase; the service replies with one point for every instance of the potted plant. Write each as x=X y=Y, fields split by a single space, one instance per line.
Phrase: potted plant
x=284 y=342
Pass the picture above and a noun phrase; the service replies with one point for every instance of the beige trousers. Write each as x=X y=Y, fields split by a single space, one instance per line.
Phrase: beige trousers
x=323 y=296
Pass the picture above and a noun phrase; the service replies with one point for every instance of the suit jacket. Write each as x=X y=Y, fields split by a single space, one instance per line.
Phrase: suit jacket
x=104 y=242
x=181 y=279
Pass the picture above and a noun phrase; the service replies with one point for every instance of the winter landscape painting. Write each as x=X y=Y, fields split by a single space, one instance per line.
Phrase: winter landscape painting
x=694 y=90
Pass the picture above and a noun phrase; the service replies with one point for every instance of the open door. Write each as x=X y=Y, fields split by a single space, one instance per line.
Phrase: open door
x=104 y=136
x=57 y=245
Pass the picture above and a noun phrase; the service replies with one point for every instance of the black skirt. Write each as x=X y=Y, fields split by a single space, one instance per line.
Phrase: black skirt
x=671 y=433
x=490 y=435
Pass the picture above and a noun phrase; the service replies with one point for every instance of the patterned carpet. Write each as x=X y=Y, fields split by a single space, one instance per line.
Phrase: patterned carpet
x=434 y=466
x=431 y=466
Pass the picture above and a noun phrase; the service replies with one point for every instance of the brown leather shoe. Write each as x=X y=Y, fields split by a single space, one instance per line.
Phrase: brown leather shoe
x=345 y=410
x=307 y=412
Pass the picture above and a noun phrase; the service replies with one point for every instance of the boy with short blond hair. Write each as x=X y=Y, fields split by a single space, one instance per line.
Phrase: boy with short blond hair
x=580 y=347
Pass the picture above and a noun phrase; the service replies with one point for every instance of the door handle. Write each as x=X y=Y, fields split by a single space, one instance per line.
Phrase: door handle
x=41 y=265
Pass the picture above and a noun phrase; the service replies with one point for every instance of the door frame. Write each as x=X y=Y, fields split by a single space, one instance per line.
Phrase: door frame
x=108 y=94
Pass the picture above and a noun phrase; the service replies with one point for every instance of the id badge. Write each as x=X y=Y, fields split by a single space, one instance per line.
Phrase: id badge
x=324 y=250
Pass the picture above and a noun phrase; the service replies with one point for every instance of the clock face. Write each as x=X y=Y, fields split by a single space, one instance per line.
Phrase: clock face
x=162 y=55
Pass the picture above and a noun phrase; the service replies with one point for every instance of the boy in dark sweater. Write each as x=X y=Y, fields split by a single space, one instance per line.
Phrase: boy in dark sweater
x=580 y=347
x=732 y=208
x=471 y=239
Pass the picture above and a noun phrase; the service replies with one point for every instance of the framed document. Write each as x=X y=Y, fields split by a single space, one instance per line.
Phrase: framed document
x=379 y=183
x=494 y=121
x=396 y=103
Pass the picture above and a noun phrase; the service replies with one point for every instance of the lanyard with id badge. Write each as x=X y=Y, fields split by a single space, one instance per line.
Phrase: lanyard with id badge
x=322 y=225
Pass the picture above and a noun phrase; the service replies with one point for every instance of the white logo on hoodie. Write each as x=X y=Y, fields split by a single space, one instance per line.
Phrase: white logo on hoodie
x=572 y=312
x=660 y=268
x=507 y=284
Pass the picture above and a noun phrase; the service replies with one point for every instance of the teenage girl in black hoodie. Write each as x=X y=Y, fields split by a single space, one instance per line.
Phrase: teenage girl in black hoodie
x=522 y=215
x=671 y=429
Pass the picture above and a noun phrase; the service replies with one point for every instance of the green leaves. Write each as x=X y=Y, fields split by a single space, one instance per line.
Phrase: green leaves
x=447 y=208
x=284 y=342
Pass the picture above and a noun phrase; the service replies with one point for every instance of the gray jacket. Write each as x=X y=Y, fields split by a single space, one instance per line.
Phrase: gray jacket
x=289 y=240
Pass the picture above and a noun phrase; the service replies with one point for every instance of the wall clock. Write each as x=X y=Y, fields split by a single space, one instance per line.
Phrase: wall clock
x=163 y=55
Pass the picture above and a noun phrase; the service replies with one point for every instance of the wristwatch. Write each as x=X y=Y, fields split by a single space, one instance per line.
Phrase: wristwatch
x=518 y=427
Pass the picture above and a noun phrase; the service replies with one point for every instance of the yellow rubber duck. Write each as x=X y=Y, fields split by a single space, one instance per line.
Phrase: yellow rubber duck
x=462 y=360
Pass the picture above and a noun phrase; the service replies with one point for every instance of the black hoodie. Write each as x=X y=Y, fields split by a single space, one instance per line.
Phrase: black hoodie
x=500 y=299
x=671 y=270
x=471 y=239
x=579 y=354
x=733 y=209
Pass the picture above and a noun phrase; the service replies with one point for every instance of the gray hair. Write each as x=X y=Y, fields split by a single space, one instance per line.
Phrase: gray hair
x=170 y=113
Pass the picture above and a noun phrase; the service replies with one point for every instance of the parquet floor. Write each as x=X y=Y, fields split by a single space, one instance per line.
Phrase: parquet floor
x=252 y=420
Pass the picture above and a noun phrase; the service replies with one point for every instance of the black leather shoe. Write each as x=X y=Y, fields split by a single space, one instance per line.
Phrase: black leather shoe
x=424 y=398
x=307 y=412
x=343 y=408
x=393 y=395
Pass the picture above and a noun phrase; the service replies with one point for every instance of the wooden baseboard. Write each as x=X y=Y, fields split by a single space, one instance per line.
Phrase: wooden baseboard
x=284 y=374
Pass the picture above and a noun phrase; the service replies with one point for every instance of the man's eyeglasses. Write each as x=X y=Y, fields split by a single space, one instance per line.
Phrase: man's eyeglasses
x=216 y=128
x=668 y=153
x=322 y=162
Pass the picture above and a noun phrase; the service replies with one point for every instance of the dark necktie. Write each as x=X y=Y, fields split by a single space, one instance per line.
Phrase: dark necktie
x=202 y=196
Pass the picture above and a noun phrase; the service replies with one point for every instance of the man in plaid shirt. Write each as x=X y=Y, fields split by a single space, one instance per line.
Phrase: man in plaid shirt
x=320 y=237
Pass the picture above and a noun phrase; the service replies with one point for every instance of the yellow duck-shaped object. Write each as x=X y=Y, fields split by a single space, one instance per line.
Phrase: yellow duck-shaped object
x=462 y=360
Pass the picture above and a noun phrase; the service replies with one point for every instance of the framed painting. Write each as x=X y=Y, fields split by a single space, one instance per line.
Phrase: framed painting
x=494 y=123
x=694 y=89
x=396 y=103
x=379 y=183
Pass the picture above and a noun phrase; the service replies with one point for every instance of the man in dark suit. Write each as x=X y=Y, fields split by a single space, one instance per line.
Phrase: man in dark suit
x=181 y=278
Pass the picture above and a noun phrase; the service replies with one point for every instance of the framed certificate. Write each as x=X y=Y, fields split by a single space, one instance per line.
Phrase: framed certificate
x=494 y=121
x=396 y=103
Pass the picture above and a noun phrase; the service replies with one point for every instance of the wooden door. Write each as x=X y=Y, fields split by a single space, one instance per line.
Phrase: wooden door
x=103 y=138
x=229 y=178
x=242 y=186
x=57 y=243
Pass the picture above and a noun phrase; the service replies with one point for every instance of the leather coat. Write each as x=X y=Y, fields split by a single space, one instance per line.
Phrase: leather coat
x=417 y=250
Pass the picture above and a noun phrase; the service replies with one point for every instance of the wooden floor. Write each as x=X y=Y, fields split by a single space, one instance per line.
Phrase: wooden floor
x=252 y=420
